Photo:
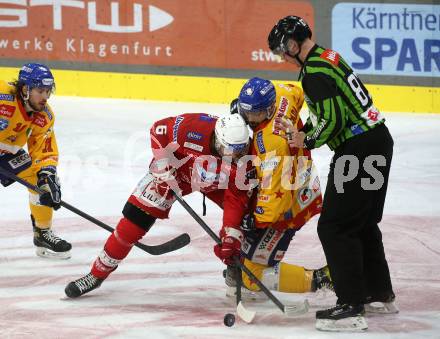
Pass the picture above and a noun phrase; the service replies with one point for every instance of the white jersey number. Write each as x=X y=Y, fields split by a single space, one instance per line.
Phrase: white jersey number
x=161 y=129
x=357 y=89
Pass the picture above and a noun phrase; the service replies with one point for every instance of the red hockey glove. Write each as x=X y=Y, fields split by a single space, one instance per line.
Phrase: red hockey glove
x=230 y=246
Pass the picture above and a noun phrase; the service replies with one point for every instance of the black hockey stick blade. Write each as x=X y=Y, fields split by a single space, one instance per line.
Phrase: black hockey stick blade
x=172 y=245
x=169 y=246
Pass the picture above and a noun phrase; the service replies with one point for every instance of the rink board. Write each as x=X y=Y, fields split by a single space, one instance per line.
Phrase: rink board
x=212 y=90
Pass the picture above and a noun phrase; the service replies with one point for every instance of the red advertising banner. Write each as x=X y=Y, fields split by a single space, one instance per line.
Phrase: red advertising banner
x=228 y=34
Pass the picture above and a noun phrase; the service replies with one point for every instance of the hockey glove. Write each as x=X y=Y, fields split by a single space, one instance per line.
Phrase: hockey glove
x=14 y=163
x=233 y=107
x=231 y=244
x=48 y=182
x=286 y=129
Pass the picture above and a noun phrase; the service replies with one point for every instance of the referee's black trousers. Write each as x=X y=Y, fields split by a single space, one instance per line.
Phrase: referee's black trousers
x=348 y=225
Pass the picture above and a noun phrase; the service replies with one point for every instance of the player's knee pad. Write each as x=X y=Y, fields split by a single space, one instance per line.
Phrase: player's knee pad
x=138 y=216
x=281 y=277
x=118 y=245
x=128 y=233
x=257 y=270
x=292 y=278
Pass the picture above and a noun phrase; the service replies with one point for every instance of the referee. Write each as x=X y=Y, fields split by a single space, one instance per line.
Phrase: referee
x=342 y=116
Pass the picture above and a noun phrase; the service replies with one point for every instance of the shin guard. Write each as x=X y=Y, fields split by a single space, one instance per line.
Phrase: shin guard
x=117 y=247
x=281 y=277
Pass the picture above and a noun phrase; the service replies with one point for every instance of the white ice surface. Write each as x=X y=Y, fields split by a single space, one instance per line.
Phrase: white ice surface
x=104 y=151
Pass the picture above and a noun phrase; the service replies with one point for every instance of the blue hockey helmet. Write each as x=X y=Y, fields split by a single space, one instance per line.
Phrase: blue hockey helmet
x=257 y=95
x=36 y=75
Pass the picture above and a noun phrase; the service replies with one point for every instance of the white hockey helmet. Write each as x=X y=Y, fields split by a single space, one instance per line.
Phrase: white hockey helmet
x=231 y=135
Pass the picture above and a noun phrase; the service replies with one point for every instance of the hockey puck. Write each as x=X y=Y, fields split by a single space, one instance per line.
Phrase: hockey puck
x=229 y=319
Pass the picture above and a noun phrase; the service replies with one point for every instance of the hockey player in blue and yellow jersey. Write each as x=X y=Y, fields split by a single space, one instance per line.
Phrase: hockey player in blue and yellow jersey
x=288 y=194
x=27 y=120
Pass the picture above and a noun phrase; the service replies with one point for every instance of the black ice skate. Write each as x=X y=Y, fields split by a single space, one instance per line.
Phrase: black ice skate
x=383 y=304
x=342 y=317
x=82 y=286
x=49 y=245
x=322 y=280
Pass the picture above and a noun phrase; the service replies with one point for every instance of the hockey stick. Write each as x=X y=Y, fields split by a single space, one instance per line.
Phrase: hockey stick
x=238 y=287
x=246 y=315
x=169 y=246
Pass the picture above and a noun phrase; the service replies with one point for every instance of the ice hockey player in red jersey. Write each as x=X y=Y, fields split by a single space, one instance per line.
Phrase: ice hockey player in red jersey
x=192 y=152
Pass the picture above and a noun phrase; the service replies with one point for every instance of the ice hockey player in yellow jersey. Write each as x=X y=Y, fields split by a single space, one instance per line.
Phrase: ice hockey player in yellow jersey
x=288 y=194
x=27 y=121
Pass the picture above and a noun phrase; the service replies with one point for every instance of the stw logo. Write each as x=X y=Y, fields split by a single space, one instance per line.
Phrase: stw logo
x=157 y=18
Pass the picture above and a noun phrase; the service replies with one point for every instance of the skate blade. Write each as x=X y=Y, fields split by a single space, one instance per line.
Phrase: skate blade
x=381 y=308
x=294 y=310
x=47 y=253
x=351 y=324
x=66 y=298
x=246 y=295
